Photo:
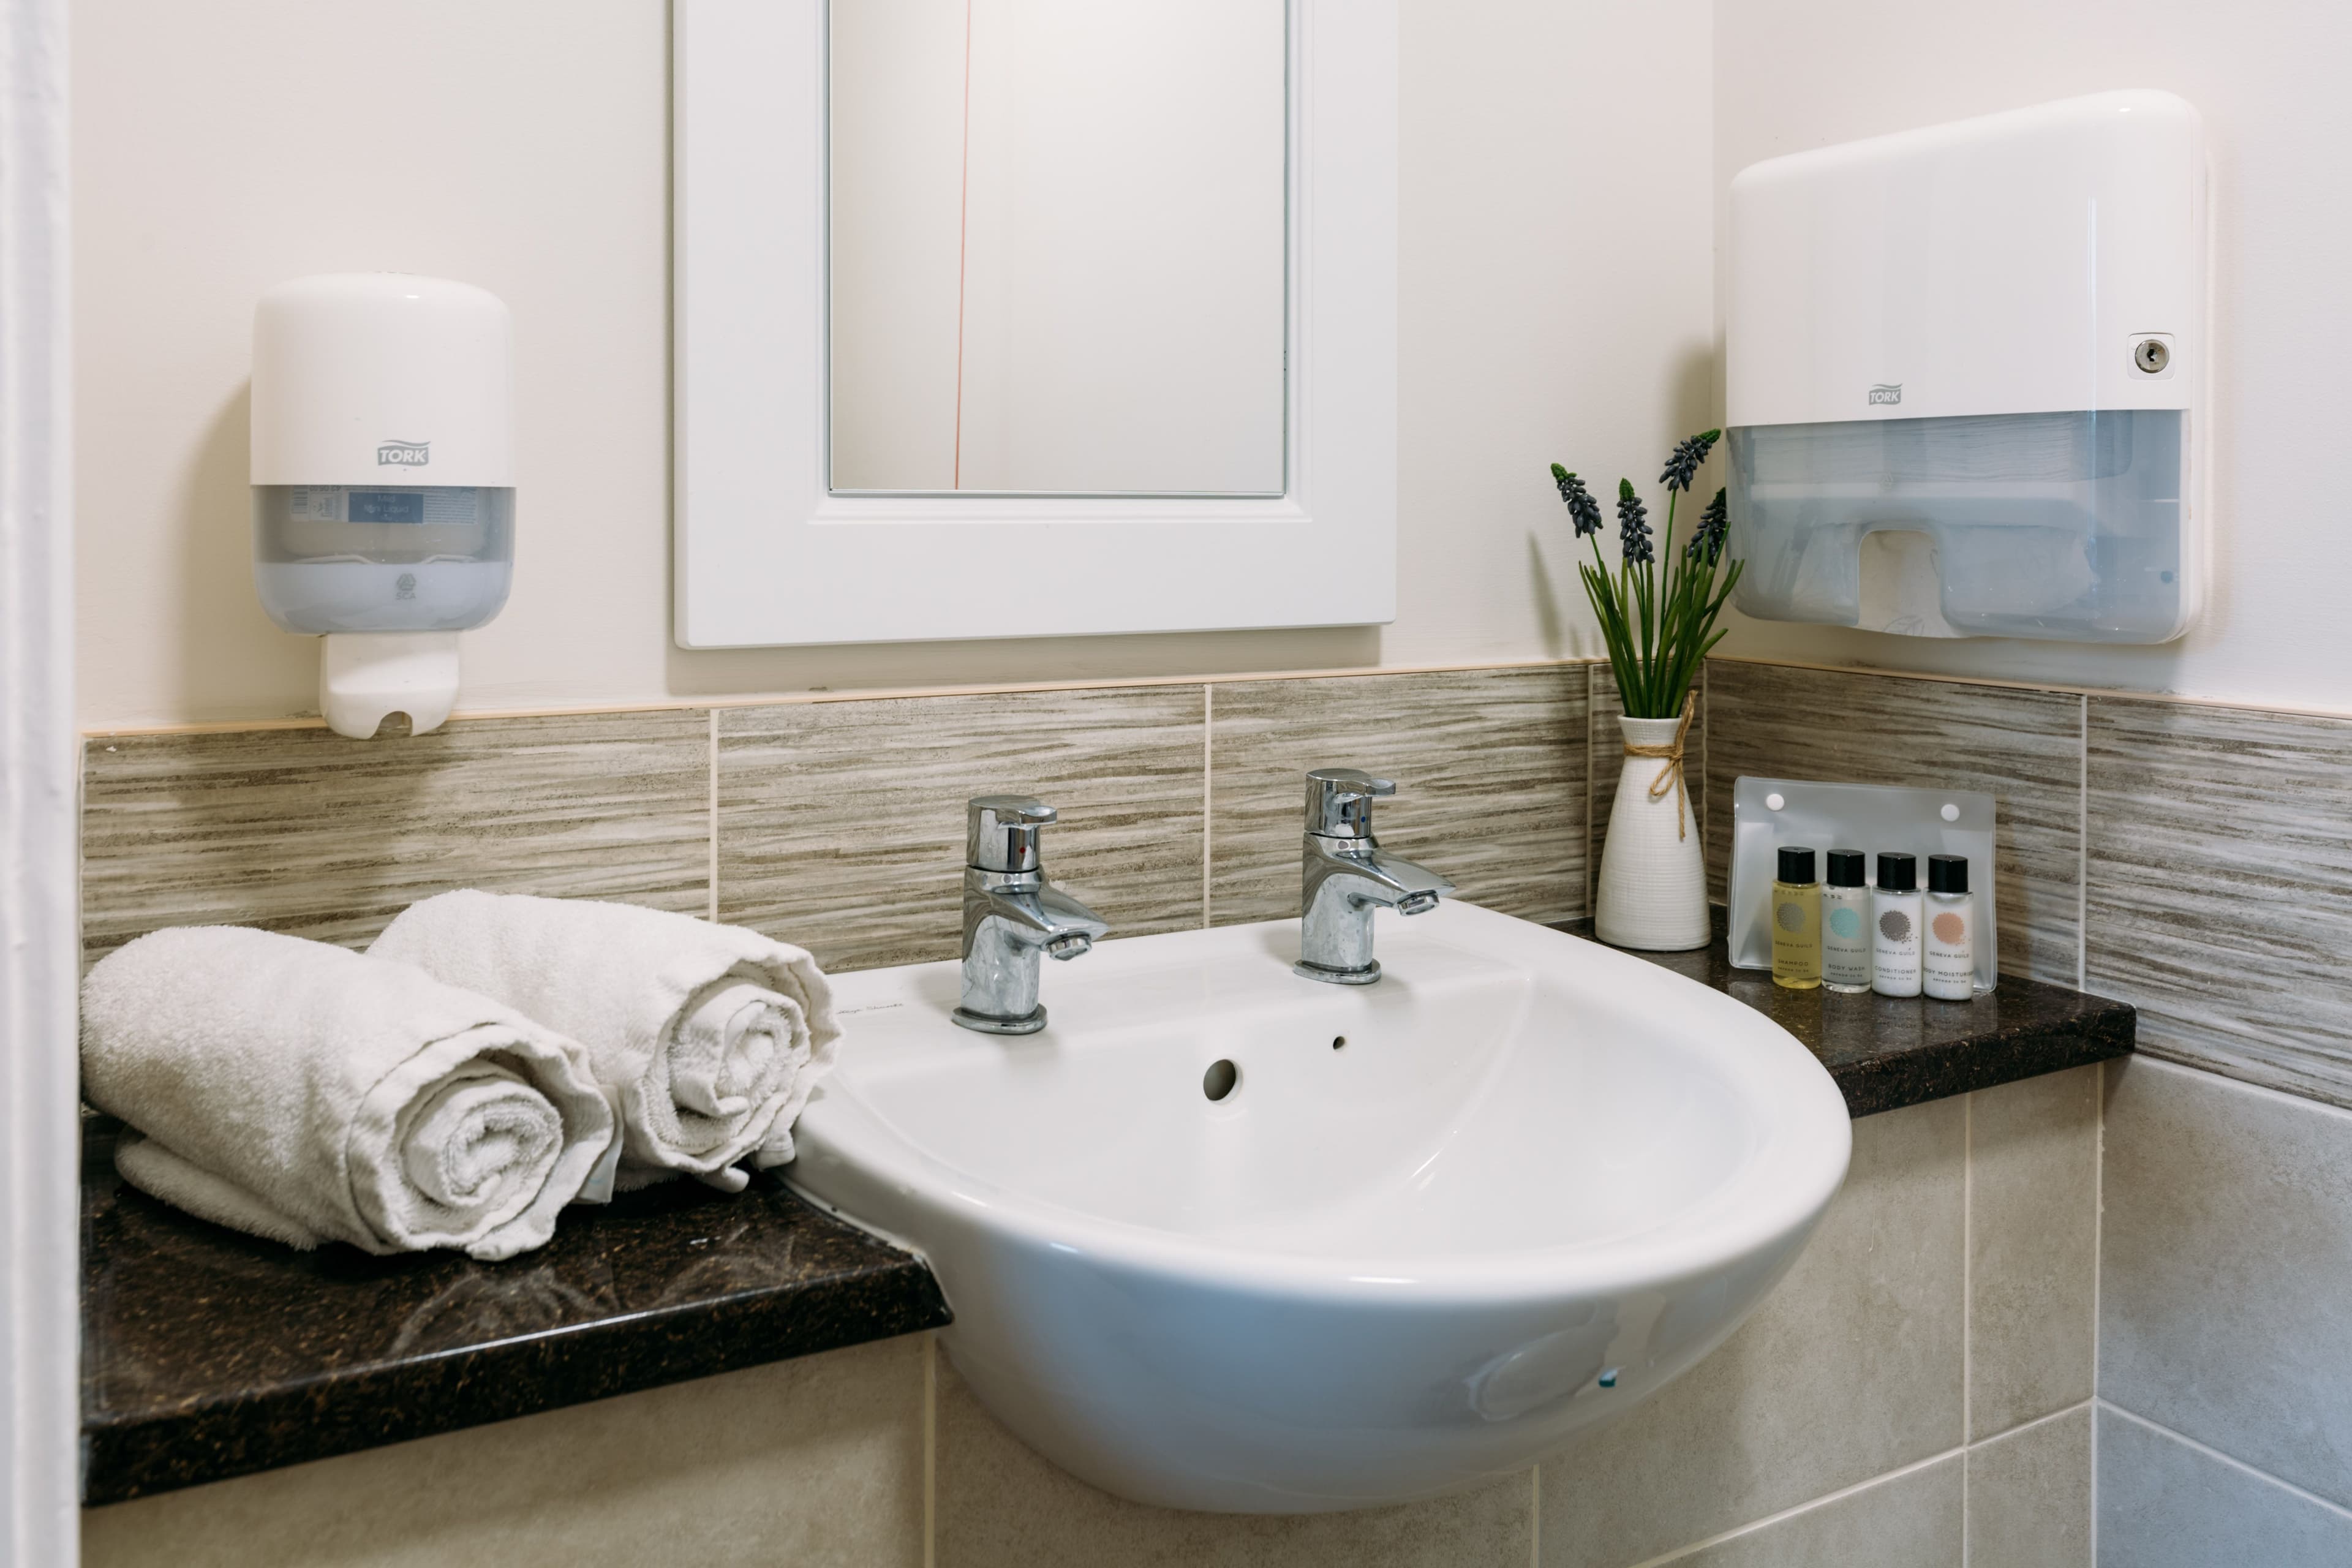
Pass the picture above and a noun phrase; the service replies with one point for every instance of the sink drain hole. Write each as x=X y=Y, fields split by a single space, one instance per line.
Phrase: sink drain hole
x=1221 y=1079
x=1339 y=1040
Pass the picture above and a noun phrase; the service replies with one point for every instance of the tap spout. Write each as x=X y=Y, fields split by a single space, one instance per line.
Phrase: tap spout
x=1010 y=920
x=1343 y=881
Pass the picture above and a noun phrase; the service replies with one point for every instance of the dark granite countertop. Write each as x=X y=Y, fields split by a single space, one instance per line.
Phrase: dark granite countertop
x=207 y=1353
x=1887 y=1052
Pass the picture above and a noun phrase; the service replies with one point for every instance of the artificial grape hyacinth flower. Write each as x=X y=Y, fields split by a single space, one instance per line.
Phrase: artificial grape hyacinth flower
x=1583 y=511
x=1633 y=524
x=1681 y=466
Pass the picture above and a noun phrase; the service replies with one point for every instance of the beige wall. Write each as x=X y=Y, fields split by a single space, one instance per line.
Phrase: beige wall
x=1807 y=73
x=1555 y=260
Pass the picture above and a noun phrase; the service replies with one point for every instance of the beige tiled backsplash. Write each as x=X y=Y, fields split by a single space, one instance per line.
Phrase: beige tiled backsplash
x=2208 y=844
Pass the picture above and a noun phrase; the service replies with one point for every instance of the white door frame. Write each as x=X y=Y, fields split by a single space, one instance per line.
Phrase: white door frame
x=39 y=751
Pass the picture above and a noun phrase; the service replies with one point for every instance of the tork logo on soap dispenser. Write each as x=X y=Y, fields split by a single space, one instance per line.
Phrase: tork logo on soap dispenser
x=403 y=454
x=1887 y=391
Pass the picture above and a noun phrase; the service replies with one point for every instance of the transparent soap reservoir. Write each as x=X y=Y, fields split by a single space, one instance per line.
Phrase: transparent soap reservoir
x=2066 y=525
x=383 y=557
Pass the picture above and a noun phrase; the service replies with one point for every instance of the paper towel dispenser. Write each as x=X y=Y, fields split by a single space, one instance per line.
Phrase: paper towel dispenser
x=1966 y=372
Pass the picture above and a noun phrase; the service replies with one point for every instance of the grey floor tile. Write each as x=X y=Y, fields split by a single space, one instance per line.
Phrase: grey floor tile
x=2034 y=1250
x=2022 y=747
x=1850 y=1368
x=2163 y=1504
x=2029 y=1496
x=841 y=825
x=1489 y=767
x=2225 y=1298
x=305 y=832
x=2220 y=887
x=1002 y=1506
x=1908 y=1521
x=1608 y=747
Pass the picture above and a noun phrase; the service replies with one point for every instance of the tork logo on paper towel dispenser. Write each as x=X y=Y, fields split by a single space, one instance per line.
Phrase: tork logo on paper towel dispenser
x=1886 y=392
x=403 y=454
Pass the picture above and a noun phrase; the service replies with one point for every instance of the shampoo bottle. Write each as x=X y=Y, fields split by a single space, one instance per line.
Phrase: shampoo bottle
x=1951 y=962
x=1895 y=919
x=1846 y=922
x=1796 y=921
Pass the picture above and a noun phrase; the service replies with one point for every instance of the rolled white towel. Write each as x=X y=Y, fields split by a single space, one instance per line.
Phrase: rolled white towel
x=712 y=1035
x=304 y=1092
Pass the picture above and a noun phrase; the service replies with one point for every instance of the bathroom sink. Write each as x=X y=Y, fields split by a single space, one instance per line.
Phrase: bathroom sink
x=1429 y=1228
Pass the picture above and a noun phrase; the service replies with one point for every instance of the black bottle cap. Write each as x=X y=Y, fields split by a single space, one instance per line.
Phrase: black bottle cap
x=1849 y=868
x=1796 y=865
x=1897 y=872
x=1947 y=873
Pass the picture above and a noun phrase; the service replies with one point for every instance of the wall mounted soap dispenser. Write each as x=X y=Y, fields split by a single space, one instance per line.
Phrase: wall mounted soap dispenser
x=383 y=482
x=1966 y=372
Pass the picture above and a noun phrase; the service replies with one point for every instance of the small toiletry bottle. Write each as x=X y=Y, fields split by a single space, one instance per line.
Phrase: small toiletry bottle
x=1951 y=950
x=1846 y=922
x=1796 y=923
x=1895 y=920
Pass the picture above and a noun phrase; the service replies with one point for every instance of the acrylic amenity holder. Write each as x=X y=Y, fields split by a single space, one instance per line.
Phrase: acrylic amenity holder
x=1769 y=813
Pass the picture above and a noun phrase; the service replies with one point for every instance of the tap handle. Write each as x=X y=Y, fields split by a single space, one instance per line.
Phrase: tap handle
x=1002 y=832
x=1340 y=802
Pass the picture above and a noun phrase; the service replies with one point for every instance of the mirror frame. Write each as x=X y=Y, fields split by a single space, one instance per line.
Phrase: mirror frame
x=765 y=555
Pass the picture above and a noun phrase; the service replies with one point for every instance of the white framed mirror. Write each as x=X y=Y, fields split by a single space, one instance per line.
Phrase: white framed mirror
x=1026 y=318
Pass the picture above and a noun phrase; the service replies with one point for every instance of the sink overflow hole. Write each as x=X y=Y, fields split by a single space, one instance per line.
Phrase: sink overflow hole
x=1220 y=1079
x=1339 y=1040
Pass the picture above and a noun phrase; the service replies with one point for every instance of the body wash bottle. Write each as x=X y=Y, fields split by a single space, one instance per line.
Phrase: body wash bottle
x=1950 y=965
x=1895 y=920
x=1796 y=923
x=1846 y=922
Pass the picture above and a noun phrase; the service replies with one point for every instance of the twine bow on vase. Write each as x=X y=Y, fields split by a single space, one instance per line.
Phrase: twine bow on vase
x=1670 y=777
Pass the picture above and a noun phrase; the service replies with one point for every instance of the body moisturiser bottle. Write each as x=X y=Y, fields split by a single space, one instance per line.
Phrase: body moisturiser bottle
x=1796 y=921
x=1894 y=916
x=1846 y=922
x=1950 y=964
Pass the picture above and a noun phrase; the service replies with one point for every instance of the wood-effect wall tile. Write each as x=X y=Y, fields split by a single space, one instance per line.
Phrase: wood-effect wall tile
x=306 y=832
x=1608 y=761
x=2024 y=748
x=841 y=825
x=2220 y=887
x=1489 y=766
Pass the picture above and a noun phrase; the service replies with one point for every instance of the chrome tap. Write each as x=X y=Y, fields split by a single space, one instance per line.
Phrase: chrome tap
x=1348 y=875
x=1012 y=915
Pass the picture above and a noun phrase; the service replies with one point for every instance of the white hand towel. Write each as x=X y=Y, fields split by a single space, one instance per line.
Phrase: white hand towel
x=711 y=1035
x=306 y=1093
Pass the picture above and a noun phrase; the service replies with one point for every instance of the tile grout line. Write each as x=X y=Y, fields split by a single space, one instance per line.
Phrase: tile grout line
x=2209 y=1451
x=2051 y=688
x=1208 y=797
x=2098 y=1283
x=1682 y=1553
x=714 y=816
x=2082 y=852
x=856 y=694
x=930 y=1448
x=2024 y=1427
x=1968 y=1303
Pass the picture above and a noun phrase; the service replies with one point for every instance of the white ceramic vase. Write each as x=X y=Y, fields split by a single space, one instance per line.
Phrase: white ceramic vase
x=1652 y=885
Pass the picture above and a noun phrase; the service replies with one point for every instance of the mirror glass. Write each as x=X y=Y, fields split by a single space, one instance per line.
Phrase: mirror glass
x=1058 y=246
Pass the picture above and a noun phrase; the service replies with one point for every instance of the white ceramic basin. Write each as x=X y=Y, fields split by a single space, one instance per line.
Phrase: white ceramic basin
x=1537 y=1180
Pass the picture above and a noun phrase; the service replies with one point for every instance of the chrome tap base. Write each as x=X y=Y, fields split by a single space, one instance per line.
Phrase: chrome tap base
x=1367 y=975
x=1027 y=1023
